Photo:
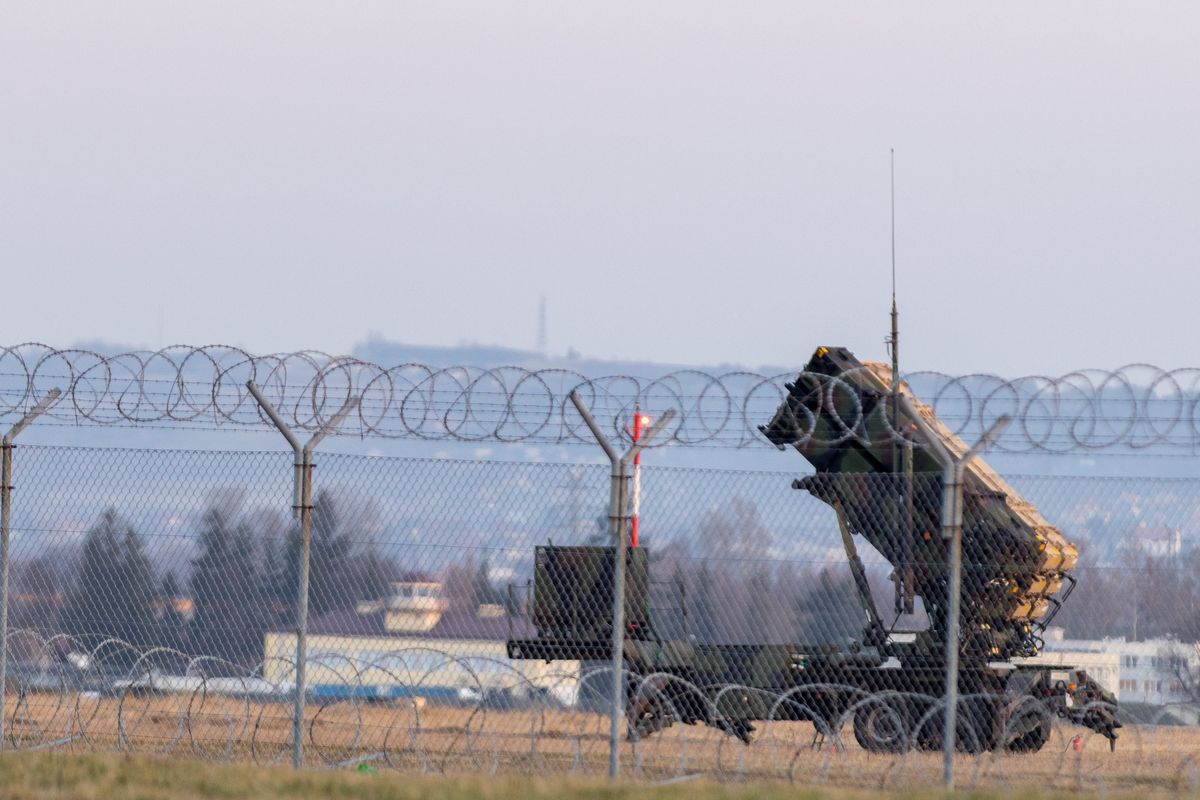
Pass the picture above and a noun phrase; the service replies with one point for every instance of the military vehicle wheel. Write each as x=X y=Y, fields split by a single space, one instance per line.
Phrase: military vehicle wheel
x=1033 y=740
x=881 y=727
x=974 y=730
x=977 y=723
x=648 y=713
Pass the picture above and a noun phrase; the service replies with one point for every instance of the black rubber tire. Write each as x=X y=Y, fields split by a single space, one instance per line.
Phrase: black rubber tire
x=882 y=727
x=975 y=731
x=1031 y=741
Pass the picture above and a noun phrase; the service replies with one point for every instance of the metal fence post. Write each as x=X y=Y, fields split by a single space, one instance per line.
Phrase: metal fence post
x=953 y=470
x=952 y=525
x=952 y=499
x=618 y=502
x=302 y=505
x=6 y=487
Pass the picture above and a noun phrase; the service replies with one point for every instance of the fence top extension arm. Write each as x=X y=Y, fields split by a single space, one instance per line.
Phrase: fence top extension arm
x=332 y=425
x=35 y=412
x=609 y=450
x=326 y=429
x=277 y=420
x=303 y=452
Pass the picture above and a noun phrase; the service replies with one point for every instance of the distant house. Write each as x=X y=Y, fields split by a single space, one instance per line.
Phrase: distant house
x=182 y=607
x=410 y=644
x=1157 y=541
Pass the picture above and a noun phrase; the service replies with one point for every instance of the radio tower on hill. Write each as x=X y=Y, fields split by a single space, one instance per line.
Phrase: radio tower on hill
x=541 y=328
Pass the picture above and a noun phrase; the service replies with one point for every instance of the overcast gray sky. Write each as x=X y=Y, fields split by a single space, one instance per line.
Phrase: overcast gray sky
x=683 y=181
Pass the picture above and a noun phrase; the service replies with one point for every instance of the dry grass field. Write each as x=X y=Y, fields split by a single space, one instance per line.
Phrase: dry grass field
x=554 y=743
x=59 y=776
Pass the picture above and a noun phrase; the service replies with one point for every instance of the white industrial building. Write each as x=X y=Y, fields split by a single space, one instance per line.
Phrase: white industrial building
x=1145 y=672
x=409 y=644
x=1105 y=668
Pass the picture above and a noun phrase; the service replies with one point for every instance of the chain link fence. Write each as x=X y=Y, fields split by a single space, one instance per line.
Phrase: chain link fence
x=778 y=625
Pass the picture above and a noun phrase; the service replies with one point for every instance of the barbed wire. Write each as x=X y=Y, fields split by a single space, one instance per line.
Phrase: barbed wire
x=106 y=694
x=1135 y=408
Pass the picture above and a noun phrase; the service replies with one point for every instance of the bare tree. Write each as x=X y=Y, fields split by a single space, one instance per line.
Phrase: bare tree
x=1180 y=663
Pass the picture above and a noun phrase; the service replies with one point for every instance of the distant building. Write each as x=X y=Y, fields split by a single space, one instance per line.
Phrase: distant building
x=410 y=644
x=1104 y=667
x=1157 y=541
x=414 y=606
x=1147 y=672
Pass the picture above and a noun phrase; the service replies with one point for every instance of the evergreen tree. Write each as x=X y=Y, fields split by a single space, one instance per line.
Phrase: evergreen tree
x=91 y=609
x=276 y=560
x=330 y=587
x=138 y=591
x=286 y=575
x=114 y=590
x=344 y=566
x=229 y=621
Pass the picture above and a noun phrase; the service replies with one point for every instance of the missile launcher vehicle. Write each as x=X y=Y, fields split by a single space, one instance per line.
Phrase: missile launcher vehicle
x=878 y=456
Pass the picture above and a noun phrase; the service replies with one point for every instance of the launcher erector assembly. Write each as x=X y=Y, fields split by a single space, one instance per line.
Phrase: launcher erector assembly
x=841 y=415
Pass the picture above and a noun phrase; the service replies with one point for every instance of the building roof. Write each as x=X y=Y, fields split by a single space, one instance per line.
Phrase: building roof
x=453 y=625
x=1153 y=533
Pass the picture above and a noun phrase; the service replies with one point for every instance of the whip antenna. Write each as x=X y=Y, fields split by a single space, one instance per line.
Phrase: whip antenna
x=901 y=452
x=894 y=340
x=893 y=165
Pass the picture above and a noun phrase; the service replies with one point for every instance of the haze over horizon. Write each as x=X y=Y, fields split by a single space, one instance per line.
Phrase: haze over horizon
x=683 y=183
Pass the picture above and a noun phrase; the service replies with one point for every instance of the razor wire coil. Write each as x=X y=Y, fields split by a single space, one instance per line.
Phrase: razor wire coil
x=1137 y=408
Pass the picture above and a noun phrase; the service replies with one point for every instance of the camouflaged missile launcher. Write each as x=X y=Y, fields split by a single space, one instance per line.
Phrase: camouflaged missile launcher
x=841 y=416
x=884 y=482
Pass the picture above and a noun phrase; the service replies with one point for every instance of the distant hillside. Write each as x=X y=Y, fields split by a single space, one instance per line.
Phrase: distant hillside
x=382 y=351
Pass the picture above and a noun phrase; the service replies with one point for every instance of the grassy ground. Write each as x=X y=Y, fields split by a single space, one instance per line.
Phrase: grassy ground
x=573 y=745
x=40 y=776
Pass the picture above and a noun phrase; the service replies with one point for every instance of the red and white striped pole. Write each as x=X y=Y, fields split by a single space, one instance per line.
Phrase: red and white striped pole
x=639 y=422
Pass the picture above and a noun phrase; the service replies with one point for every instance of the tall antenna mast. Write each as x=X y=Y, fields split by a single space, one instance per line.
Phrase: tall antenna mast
x=894 y=341
x=901 y=453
